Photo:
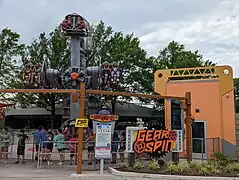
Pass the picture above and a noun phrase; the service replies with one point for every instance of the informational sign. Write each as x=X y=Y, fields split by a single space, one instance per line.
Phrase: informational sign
x=81 y=123
x=131 y=133
x=104 y=117
x=150 y=141
x=103 y=141
x=179 y=142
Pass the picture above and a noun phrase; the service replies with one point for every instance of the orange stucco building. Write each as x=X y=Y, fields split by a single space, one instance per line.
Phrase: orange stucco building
x=212 y=105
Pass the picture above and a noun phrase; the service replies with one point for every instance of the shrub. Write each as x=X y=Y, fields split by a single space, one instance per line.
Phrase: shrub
x=138 y=165
x=218 y=158
x=181 y=168
x=153 y=166
x=206 y=169
x=232 y=167
x=194 y=166
x=123 y=165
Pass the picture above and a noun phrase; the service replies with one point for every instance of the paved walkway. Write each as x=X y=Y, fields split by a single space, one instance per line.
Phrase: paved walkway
x=29 y=172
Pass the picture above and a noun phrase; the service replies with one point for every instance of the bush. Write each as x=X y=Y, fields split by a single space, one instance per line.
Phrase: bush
x=177 y=169
x=138 y=165
x=195 y=166
x=153 y=166
x=206 y=169
x=232 y=167
x=218 y=158
x=123 y=165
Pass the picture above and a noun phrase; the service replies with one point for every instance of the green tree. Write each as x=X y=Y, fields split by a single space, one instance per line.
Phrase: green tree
x=236 y=89
x=10 y=49
x=125 y=49
x=175 y=55
x=53 y=50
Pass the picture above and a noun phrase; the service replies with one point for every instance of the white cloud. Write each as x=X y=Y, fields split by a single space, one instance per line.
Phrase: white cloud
x=211 y=26
x=215 y=34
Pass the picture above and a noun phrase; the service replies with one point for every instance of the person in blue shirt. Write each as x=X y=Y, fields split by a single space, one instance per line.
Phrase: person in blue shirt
x=38 y=138
x=114 y=147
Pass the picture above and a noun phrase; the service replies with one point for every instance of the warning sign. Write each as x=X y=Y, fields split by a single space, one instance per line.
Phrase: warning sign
x=80 y=122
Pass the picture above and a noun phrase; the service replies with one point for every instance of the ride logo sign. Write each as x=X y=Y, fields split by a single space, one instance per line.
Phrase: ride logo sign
x=150 y=141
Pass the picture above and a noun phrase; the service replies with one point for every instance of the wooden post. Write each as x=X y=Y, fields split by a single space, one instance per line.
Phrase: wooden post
x=188 y=126
x=81 y=130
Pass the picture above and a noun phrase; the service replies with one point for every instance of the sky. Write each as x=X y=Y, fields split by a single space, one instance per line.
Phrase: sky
x=211 y=26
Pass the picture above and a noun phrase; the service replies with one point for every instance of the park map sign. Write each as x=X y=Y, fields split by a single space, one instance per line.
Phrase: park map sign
x=151 y=141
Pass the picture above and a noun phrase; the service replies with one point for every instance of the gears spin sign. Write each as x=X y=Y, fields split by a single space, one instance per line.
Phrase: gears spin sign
x=150 y=141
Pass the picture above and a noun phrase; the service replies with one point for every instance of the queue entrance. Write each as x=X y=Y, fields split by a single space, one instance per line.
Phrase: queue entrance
x=82 y=92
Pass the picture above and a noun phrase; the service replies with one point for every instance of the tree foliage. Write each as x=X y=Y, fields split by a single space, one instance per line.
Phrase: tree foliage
x=110 y=46
x=53 y=50
x=10 y=49
x=175 y=55
x=125 y=49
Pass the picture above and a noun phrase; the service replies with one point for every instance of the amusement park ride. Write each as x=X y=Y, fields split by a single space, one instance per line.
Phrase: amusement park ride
x=81 y=81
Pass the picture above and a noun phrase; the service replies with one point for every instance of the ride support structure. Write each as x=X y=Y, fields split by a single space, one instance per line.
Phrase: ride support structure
x=76 y=82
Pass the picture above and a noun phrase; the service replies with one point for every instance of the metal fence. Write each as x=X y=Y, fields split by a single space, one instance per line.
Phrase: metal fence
x=203 y=148
x=69 y=156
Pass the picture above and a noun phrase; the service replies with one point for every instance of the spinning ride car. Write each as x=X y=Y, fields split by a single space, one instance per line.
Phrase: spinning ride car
x=75 y=24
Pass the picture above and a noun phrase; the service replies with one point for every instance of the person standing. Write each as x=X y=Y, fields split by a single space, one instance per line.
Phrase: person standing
x=114 y=147
x=122 y=146
x=66 y=132
x=6 y=137
x=73 y=145
x=91 y=147
x=44 y=143
x=59 y=140
x=21 y=146
x=38 y=138
x=49 y=147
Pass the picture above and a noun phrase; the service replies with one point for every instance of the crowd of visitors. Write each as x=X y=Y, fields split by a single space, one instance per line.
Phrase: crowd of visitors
x=45 y=140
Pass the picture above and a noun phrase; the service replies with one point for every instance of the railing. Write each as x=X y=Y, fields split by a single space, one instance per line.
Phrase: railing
x=202 y=150
x=70 y=155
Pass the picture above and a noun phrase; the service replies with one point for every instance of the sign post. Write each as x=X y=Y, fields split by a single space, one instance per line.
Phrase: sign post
x=103 y=143
x=80 y=128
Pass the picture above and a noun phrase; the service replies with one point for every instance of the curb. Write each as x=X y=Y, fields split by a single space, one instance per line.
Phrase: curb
x=134 y=175
x=90 y=175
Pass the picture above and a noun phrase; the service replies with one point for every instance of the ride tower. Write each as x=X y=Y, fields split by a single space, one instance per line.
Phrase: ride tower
x=77 y=28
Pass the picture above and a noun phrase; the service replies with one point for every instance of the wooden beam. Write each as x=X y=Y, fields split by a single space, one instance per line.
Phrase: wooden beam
x=127 y=94
x=38 y=91
x=89 y=91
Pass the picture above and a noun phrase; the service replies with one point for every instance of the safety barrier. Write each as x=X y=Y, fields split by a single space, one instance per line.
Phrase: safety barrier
x=70 y=155
x=202 y=150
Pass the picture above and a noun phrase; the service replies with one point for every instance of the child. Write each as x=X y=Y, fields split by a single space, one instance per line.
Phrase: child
x=49 y=147
x=21 y=146
x=73 y=149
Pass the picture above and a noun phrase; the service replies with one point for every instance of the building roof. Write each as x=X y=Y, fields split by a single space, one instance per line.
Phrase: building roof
x=124 y=109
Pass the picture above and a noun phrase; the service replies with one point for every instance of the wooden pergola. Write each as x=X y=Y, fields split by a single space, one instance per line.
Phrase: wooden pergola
x=82 y=92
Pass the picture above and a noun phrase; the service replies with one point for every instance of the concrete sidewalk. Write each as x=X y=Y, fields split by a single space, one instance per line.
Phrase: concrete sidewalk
x=27 y=172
